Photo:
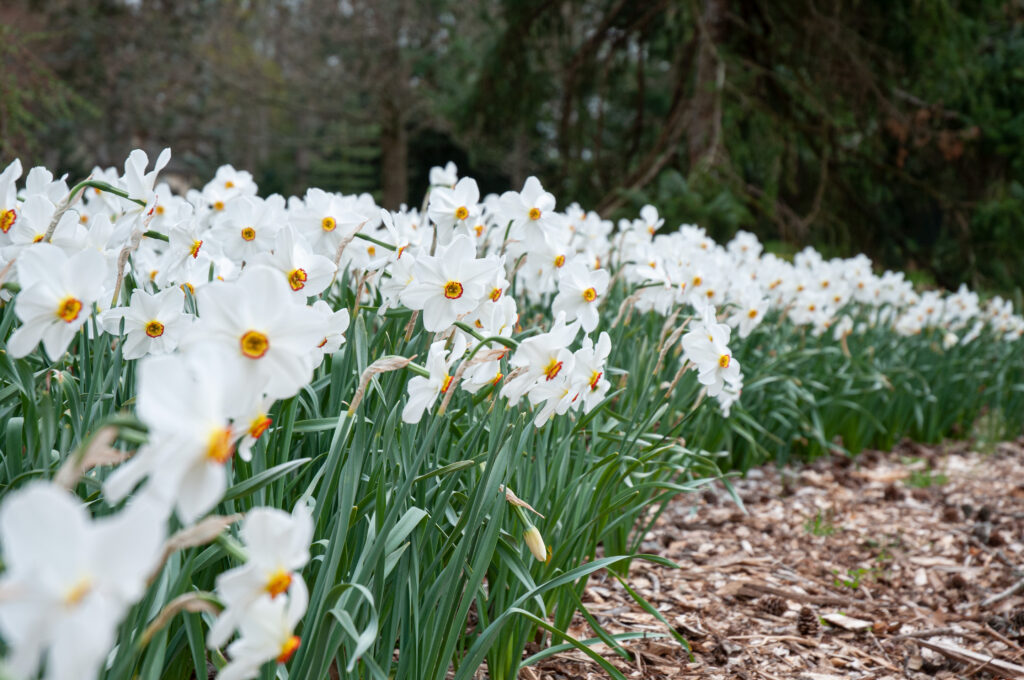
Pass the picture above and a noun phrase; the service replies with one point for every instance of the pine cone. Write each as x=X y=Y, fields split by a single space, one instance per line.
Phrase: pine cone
x=892 y=493
x=807 y=622
x=776 y=606
x=951 y=513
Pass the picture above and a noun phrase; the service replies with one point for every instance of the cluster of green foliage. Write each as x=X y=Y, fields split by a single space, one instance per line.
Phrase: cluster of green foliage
x=891 y=128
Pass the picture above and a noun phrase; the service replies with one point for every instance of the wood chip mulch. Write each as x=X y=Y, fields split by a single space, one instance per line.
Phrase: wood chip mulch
x=907 y=564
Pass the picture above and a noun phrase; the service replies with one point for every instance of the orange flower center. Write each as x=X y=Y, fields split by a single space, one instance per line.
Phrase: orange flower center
x=461 y=212
x=595 y=378
x=154 y=329
x=7 y=220
x=160 y=210
x=69 y=309
x=479 y=229
x=559 y=260
x=446 y=384
x=697 y=280
x=77 y=592
x=259 y=425
x=186 y=287
x=194 y=250
x=248 y=234
x=328 y=224
x=534 y=213
x=723 y=361
x=218 y=447
x=590 y=295
x=229 y=185
x=218 y=206
x=495 y=294
x=37 y=238
x=297 y=279
x=278 y=582
x=453 y=290
x=553 y=368
x=752 y=314
x=371 y=251
x=288 y=648
x=254 y=344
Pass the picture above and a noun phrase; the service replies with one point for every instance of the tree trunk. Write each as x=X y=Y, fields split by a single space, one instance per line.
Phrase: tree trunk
x=394 y=152
x=704 y=131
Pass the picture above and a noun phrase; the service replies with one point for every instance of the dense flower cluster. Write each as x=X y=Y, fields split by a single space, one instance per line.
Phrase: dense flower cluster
x=224 y=297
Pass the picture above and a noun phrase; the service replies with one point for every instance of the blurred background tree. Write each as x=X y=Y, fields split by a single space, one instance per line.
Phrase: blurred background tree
x=892 y=128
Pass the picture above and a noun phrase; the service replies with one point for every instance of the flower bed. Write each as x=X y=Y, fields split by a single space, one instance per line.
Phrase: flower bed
x=310 y=434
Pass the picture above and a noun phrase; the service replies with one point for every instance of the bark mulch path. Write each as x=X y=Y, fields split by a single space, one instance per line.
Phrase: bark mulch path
x=907 y=564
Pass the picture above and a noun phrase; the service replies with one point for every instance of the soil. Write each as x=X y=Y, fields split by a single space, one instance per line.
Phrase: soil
x=905 y=564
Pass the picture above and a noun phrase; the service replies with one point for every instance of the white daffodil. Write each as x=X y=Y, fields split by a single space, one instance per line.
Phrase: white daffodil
x=306 y=273
x=589 y=371
x=542 y=357
x=248 y=227
x=424 y=391
x=335 y=325
x=56 y=297
x=267 y=633
x=195 y=406
x=444 y=177
x=449 y=285
x=277 y=547
x=69 y=579
x=529 y=210
x=706 y=346
x=449 y=208
x=748 y=313
x=9 y=199
x=325 y=220
x=579 y=292
x=153 y=323
x=258 y=319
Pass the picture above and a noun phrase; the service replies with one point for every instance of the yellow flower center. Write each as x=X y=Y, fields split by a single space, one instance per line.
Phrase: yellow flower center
x=590 y=295
x=194 y=250
x=229 y=185
x=595 y=378
x=83 y=219
x=7 y=220
x=218 y=446
x=160 y=210
x=77 y=592
x=453 y=290
x=446 y=384
x=479 y=229
x=68 y=309
x=278 y=582
x=371 y=251
x=248 y=234
x=559 y=260
x=534 y=214
x=297 y=279
x=154 y=329
x=553 y=368
x=259 y=425
x=697 y=280
x=288 y=648
x=328 y=224
x=218 y=206
x=461 y=212
x=752 y=314
x=37 y=238
x=710 y=293
x=723 y=360
x=254 y=344
x=478 y=324
x=186 y=287
x=495 y=294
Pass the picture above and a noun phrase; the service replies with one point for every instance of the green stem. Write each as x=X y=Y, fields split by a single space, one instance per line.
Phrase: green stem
x=371 y=239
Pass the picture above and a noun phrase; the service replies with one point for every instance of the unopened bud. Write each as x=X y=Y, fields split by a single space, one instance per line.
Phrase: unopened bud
x=535 y=542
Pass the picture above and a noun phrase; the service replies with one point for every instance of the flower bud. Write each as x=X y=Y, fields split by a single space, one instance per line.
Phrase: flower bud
x=535 y=542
